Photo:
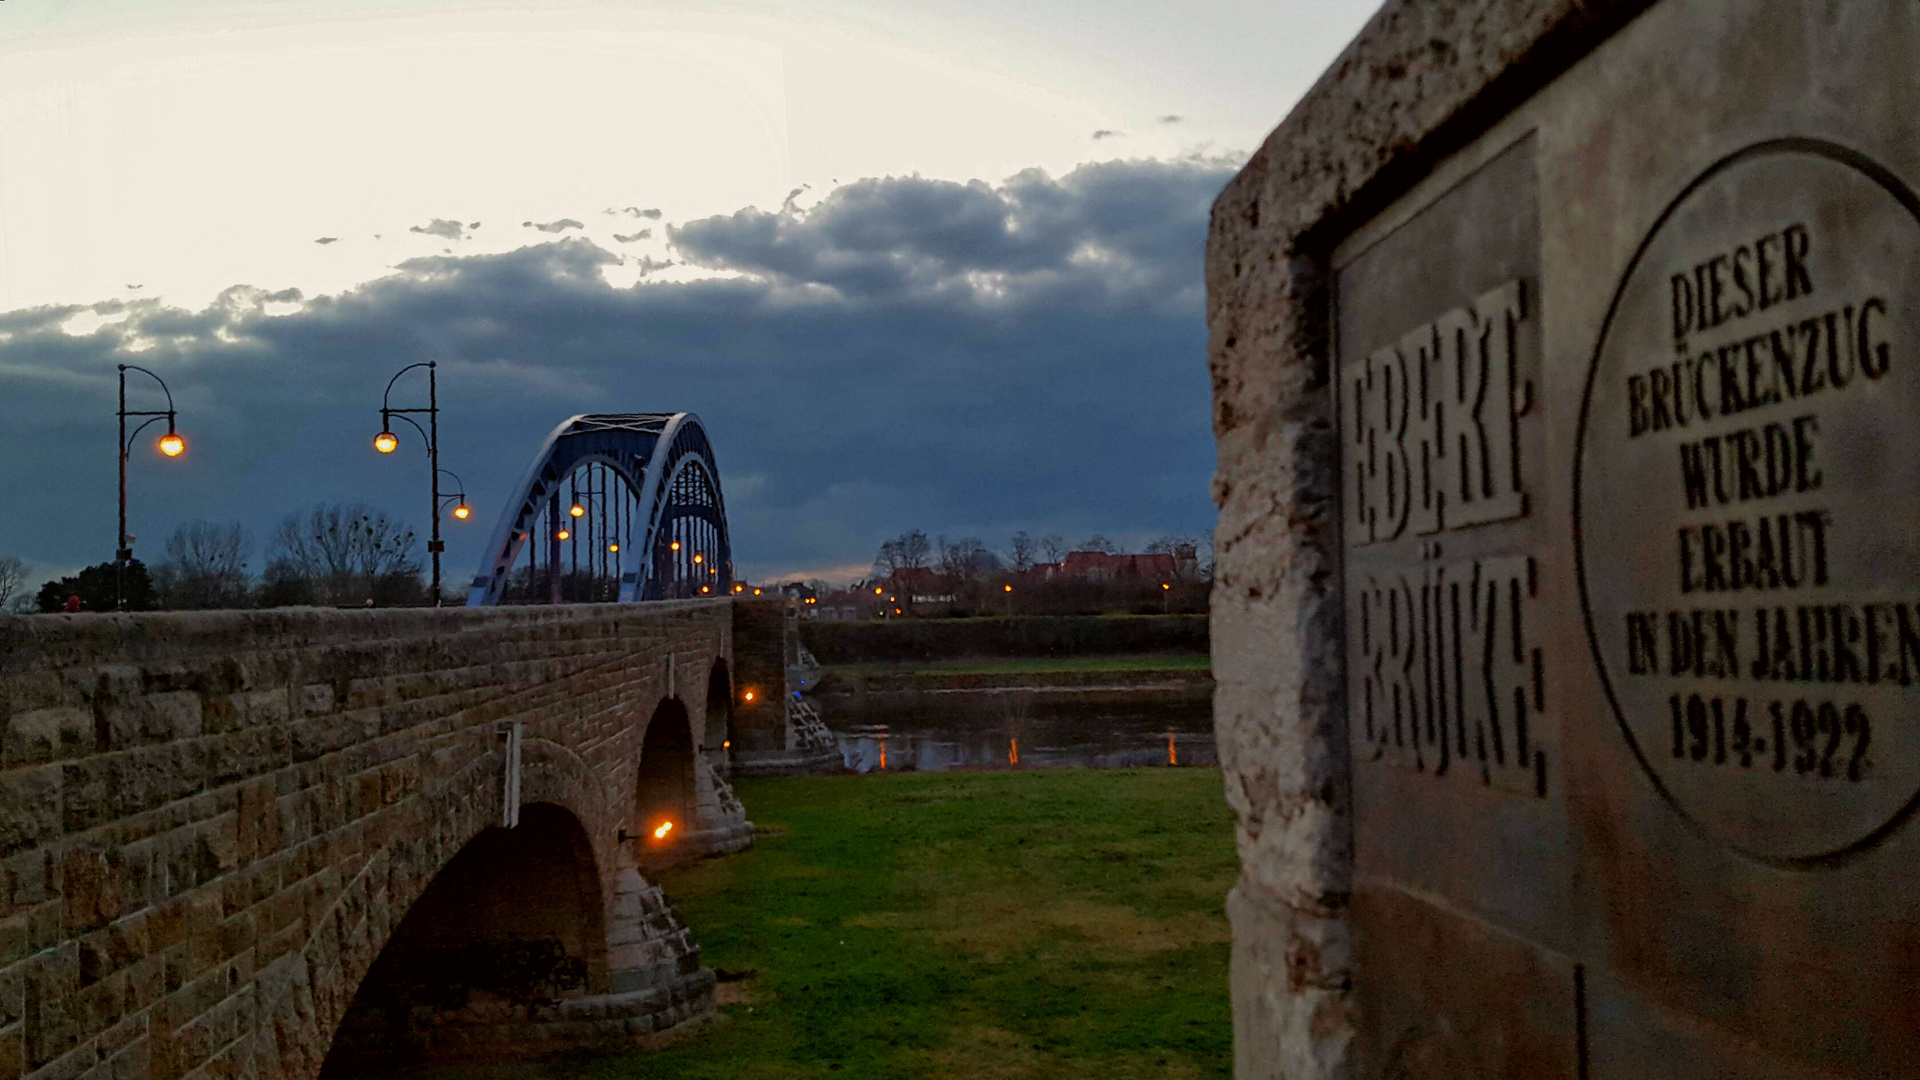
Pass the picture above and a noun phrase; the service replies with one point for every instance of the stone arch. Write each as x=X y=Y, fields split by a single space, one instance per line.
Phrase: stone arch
x=514 y=919
x=666 y=787
x=717 y=736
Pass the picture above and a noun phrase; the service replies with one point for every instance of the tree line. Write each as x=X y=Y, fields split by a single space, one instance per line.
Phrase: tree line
x=339 y=555
x=969 y=557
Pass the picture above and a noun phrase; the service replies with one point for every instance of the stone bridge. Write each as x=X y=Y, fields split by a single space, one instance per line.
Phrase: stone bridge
x=309 y=842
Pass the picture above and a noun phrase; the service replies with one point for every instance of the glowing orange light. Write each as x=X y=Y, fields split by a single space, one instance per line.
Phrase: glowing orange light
x=699 y=558
x=1013 y=751
x=703 y=588
x=727 y=744
x=1164 y=585
x=749 y=695
x=756 y=592
x=876 y=590
x=172 y=445
x=1009 y=588
x=613 y=547
x=564 y=534
x=578 y=510
x=385 y=442
x=661 y=832
x=1172 y=758
x=463 y=511
x=675 y=545
x=896 y=611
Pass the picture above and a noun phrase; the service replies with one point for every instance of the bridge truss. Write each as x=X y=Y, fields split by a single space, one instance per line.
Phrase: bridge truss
x=616 y=507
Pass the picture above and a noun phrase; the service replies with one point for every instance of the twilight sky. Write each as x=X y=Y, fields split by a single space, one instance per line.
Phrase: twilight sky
x=928 y=265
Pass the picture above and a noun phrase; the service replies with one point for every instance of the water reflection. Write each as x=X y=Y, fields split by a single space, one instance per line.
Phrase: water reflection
x=1108 y=742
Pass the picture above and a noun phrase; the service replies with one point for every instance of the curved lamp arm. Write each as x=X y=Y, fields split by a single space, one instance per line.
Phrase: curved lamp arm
x=155 y=378
x=386 y=397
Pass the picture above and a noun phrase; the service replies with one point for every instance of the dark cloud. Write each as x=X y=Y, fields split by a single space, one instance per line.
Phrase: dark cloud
x=965 y=358
x=1106 y=133
x=554 y=226
x=1172 y=118
x=323 y=241
x=444 y=228
x=631 y=237
x=633 y=211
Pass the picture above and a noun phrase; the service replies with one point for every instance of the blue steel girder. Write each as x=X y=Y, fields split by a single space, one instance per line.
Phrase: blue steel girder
x=655 y=456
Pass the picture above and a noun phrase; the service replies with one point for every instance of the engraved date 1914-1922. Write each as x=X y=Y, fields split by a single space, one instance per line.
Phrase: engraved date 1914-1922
x=1819 y=740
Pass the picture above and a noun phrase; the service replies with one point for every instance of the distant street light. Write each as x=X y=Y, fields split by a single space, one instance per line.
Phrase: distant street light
x=460 y=508
x=170 y=444
x=386 y=442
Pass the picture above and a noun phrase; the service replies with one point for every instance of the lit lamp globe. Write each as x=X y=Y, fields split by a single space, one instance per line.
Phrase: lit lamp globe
x=463 y=511
x=172 y=445
x=385 y=442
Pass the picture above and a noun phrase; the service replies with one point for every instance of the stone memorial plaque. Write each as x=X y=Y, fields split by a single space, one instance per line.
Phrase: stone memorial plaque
x=1455 y=747
x=1748 y=502
x=1625 y=366
x=1439 y=346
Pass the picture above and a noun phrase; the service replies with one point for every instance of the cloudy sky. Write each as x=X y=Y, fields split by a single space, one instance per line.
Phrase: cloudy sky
x=929 y=265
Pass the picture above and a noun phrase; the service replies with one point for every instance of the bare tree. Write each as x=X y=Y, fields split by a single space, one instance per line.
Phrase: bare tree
x=1186 y=552
x=1099 y=543
x=13 y=574
x=1054 y=546
x=966 y=558
x=908 y=551
x=206 y=566
x=1021 y=551
x=348 y=555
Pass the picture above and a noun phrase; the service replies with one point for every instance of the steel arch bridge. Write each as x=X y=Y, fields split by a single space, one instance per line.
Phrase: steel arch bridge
x=616 y=507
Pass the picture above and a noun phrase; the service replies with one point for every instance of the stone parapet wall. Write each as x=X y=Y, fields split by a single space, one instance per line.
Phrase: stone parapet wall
x=210 y=823
x=1422 y=79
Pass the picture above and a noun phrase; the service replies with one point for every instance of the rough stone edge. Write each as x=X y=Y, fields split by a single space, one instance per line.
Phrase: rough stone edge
x=1421 y=80
x=31 y=642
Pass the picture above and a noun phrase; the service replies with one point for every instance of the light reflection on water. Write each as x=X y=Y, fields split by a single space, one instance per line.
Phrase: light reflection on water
x=1083 y=743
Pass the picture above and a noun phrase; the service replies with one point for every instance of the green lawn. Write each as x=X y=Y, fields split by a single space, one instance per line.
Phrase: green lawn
x=1034 y=665
x=964 y=925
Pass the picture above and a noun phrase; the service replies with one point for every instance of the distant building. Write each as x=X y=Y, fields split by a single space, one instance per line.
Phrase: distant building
x=1100 y=566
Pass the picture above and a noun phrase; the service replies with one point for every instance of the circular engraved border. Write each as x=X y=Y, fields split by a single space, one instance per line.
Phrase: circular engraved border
x=1901 y=194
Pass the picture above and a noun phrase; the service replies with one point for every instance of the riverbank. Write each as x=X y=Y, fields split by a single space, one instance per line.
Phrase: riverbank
x=1061 y=924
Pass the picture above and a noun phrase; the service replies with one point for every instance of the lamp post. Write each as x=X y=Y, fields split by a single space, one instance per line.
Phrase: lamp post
x=386 y=442
x=170 y=444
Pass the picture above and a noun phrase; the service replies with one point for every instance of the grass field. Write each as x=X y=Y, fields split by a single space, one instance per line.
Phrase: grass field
x=963 y=925
x=1037 y=665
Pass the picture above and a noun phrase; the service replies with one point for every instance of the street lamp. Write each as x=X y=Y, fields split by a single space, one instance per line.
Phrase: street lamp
x=460 y=508
x=386 y=442
x=170 y=444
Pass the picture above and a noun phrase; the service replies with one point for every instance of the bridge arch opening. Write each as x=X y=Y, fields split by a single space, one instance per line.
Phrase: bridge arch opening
x=514 y=920
x=718 y=733
x=615 y=507
x=664 y=791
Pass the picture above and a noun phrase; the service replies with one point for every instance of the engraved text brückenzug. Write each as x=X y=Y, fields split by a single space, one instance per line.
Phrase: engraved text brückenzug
x=1737 y=356
x=1447 y=682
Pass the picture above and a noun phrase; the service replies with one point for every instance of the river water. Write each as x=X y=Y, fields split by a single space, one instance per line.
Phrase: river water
x=1103 y=741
